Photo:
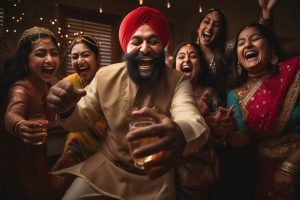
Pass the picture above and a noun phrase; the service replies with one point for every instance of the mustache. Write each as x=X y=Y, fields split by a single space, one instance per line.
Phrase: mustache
x=132 y=66
x=139 y=56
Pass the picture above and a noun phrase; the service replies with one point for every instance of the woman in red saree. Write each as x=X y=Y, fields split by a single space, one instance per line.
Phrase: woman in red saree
x=267 y=110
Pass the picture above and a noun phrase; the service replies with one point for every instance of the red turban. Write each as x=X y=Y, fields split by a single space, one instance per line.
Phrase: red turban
x=140 y=16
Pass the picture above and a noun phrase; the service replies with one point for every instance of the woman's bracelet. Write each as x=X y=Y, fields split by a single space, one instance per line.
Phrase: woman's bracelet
x=17 y=125
x=289 y=168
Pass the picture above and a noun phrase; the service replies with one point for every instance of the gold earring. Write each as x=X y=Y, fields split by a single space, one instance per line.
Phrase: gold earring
x=239 y=69
x=274 y=59
x=198 y=40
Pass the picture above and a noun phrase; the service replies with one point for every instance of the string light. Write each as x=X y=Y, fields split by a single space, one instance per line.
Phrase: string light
x=200 y=8
x=100 y=7
x=20 y=17
x=168 y=4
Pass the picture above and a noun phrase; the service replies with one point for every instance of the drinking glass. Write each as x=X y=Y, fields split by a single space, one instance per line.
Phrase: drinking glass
x=135 y=124
x=41 y=119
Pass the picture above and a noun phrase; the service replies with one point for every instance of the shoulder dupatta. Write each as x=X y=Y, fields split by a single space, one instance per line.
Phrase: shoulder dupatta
x=289 y=104
x=268 y=105
x=244 y=94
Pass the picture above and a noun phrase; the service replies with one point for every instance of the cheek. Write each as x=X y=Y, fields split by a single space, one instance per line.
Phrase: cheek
x=195 y=64
x=202 y=25
x=132 y=50
x=196 y=67
x=57 y=61
x=217 y=32
x=239 y=54
x=34 y=64
x=74 y=64
x=178 y=64
x=156 y=49
x=94 y=67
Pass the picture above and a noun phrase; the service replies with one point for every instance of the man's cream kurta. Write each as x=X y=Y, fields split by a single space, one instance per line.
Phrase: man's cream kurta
x=113 y=95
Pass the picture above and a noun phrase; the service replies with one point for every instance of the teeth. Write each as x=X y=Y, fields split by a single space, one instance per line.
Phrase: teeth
x=250 y=54
x=82 y=68
x=48 y=70
x=146 y=62
x=187 y=68
x=146 y=59
x=207 y=34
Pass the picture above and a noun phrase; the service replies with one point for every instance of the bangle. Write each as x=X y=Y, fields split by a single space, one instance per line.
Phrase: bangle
x=17 y=125
x=289 y=168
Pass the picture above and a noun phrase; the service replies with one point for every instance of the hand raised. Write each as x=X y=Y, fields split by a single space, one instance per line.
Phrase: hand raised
x=267 y=4
x=169 y=147
x=63 y=96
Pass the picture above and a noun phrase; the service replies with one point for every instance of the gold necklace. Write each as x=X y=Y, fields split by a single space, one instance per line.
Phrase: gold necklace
x=212 y=65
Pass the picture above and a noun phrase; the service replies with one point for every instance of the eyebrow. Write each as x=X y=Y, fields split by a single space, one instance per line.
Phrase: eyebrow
x=243 y=38
x=206 y=17
x=148 y=37
x=45 y=49
x=80 y=52
x=184 y=52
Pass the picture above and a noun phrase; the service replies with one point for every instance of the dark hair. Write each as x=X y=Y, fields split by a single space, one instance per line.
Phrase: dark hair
x=272 y=42
x=204 y=76
x=15 y=68
x=219 y=43
x=90 y=42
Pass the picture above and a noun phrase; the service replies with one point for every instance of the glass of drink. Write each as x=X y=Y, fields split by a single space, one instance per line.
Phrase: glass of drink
x=135 y=124
x=42 y=121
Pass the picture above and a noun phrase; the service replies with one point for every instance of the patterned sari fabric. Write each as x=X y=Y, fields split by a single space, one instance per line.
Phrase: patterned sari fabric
x=267 y=108
x=267 y=103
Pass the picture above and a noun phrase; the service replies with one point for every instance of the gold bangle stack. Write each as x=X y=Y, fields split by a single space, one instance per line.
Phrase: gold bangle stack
x=288 y=168
x=17 y=125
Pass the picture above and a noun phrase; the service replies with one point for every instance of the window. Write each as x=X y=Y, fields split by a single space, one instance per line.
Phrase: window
x=1 y=22
x=103 y=27
x=1 y=39
x=101 y=32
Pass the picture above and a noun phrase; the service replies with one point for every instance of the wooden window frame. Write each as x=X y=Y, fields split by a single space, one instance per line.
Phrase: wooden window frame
x=95 y=17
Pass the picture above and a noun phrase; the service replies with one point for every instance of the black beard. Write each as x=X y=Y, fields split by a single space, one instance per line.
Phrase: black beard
x=132 y=67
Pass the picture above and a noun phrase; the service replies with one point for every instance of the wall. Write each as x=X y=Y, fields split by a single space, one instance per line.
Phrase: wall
x=183 y=16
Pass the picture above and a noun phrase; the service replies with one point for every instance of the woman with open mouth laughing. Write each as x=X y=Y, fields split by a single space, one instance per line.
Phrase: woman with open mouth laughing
x=211 y=35
x=85 y=59
x=196 y=179
x=24 y=85
x=267 y=108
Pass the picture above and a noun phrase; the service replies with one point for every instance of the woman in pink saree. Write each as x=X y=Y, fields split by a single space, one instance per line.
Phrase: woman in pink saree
x=267 y=110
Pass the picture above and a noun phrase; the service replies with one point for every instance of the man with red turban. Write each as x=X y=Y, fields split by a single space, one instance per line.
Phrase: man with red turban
x=141 y=86
x=144 y=15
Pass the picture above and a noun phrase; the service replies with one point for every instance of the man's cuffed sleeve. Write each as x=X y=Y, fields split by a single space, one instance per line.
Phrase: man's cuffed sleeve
x=185 y=113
